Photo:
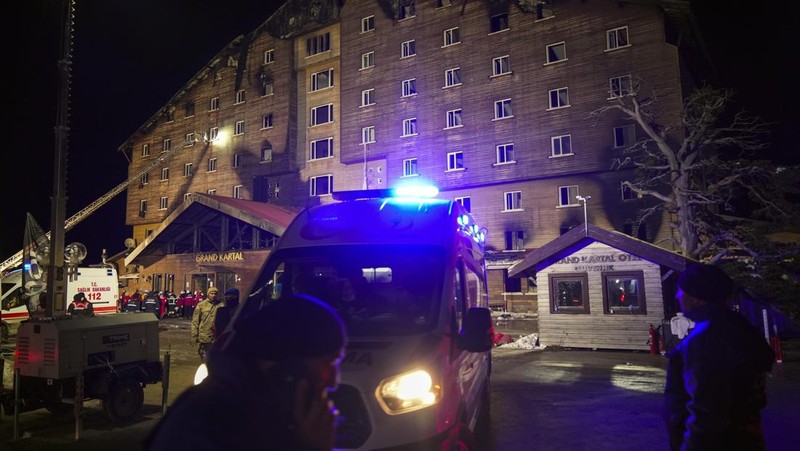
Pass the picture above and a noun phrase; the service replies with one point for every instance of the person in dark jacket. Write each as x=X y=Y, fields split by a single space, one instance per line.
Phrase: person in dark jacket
x=715 y=387
x=226 y=312
x=80 y=306
x=267 y=387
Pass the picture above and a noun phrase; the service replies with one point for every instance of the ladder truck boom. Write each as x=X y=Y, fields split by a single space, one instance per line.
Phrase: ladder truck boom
x=16 y=259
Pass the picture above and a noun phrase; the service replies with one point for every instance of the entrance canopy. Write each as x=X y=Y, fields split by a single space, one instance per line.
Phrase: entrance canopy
x=210 y=223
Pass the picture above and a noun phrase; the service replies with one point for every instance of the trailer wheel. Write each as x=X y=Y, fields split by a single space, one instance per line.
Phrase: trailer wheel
x=123 y=401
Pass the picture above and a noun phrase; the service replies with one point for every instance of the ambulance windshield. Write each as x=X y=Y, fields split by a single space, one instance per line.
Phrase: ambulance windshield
x=378 y=289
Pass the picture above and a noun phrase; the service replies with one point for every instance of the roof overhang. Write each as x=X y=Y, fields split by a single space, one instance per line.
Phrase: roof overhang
x=580 y=237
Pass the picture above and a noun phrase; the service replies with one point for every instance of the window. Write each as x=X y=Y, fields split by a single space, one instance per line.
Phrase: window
x=189 y=108
x=451 y=36
x=189 y=140
x=408 y=48
x=452 y=77
x=214 y=133
x=237 y=157
x=559 y=98
x=409 y=87
x=407 y=11
x=502 y=109
x=267 y=87
x=455 y=161
x=368 y=97
x=410 y=168
x=569 y=293
x=214 y=106
x=367 y=24
x=212 y=191
x=162 y=203
x=237 y=192
x=164 y=174
x=239 y=96
x=238 y=129
x=170 y=115
x=212 y=165
x=322 y=114
x=318 y=44
x=266 y=121
x=616 y=38
x=269 y=56
x=623 y=293
x=367 y=60
x=498 y=22
x=501 y=66
x=322 y=80
x=567 y=196
x=144 y=179
x=511 y=284
x=142 y=208
x=442 y=3
x=512 y=201
x=543 y=11
x=410 y=127
x=454 y=119
x=145 y=150
x=556 y=52
x=624 y=136
x=628 y=193
x=266 y=153
x=321 y=185
x=561 y=145
x=368 y=135
x=619 y=86
x=505 y=153
x=187 y=170
x=321 y=148
x=187 y=196
x=466 y=202
x=167 y=145
x=515 y=240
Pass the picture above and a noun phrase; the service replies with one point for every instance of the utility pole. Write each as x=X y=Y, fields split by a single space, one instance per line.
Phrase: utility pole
x=585 y=217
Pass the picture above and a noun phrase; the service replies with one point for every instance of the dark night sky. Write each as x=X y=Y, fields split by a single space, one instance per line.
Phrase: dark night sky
x=131 y=56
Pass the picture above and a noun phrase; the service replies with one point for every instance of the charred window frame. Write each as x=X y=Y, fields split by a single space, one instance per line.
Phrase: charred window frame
x=569 y=293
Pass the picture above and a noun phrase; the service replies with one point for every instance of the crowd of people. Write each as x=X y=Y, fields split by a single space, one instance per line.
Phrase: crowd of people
x=160 y=303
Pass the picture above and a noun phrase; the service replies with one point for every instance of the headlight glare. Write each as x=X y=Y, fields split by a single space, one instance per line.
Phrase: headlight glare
x=408 y=392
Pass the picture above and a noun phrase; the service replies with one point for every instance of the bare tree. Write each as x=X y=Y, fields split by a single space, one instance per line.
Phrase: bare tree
x=699 y=167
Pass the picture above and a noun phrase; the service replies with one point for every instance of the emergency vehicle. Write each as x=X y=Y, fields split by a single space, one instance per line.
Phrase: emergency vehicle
x=407 y=274
x=101 y=286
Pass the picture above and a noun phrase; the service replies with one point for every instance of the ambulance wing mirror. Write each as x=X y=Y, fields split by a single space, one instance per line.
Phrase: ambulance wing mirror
x=476 y=334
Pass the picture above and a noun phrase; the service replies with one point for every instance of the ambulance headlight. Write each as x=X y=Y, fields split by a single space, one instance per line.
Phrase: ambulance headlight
x=200 y=374
x=408 y=392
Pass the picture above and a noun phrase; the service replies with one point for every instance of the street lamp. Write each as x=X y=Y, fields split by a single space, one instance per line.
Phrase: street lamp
x=585 y=220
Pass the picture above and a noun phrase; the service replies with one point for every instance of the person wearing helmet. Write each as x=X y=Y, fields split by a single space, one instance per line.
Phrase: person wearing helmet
x=80 y=306
x=267 y=386
x=203 y=322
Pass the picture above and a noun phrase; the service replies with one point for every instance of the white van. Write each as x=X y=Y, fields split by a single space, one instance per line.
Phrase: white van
x=101 y=286
x=408 y=277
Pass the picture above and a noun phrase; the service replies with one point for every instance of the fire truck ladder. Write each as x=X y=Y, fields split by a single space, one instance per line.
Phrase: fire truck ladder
x=16 y=259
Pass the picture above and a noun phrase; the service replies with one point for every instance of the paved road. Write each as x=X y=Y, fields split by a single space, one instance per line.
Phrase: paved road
x=541 y=400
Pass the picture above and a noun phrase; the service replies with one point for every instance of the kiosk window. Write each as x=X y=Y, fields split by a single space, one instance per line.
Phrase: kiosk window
x=623 y=293
x=569 y=293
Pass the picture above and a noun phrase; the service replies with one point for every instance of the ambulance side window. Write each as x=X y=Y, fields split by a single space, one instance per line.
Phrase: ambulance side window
x=474 y=289
x=459 y=297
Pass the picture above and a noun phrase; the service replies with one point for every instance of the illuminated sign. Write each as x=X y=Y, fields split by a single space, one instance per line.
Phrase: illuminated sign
x=219 y=257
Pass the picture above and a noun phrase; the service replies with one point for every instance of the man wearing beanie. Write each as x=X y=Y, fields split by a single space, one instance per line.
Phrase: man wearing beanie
x=267 y=385
x=203 y=322
x=715 y=386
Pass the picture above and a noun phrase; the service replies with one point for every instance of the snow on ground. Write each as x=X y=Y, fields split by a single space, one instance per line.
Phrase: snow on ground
x=524 y=342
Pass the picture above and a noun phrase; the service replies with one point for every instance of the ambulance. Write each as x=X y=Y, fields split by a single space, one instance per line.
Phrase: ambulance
x=406 y=271
x=101 y=286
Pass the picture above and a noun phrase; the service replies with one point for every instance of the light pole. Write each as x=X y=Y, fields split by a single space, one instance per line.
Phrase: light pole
x=585 y=218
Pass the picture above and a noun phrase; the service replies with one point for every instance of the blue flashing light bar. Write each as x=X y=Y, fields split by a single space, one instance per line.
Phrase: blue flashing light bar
x=416 y=191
